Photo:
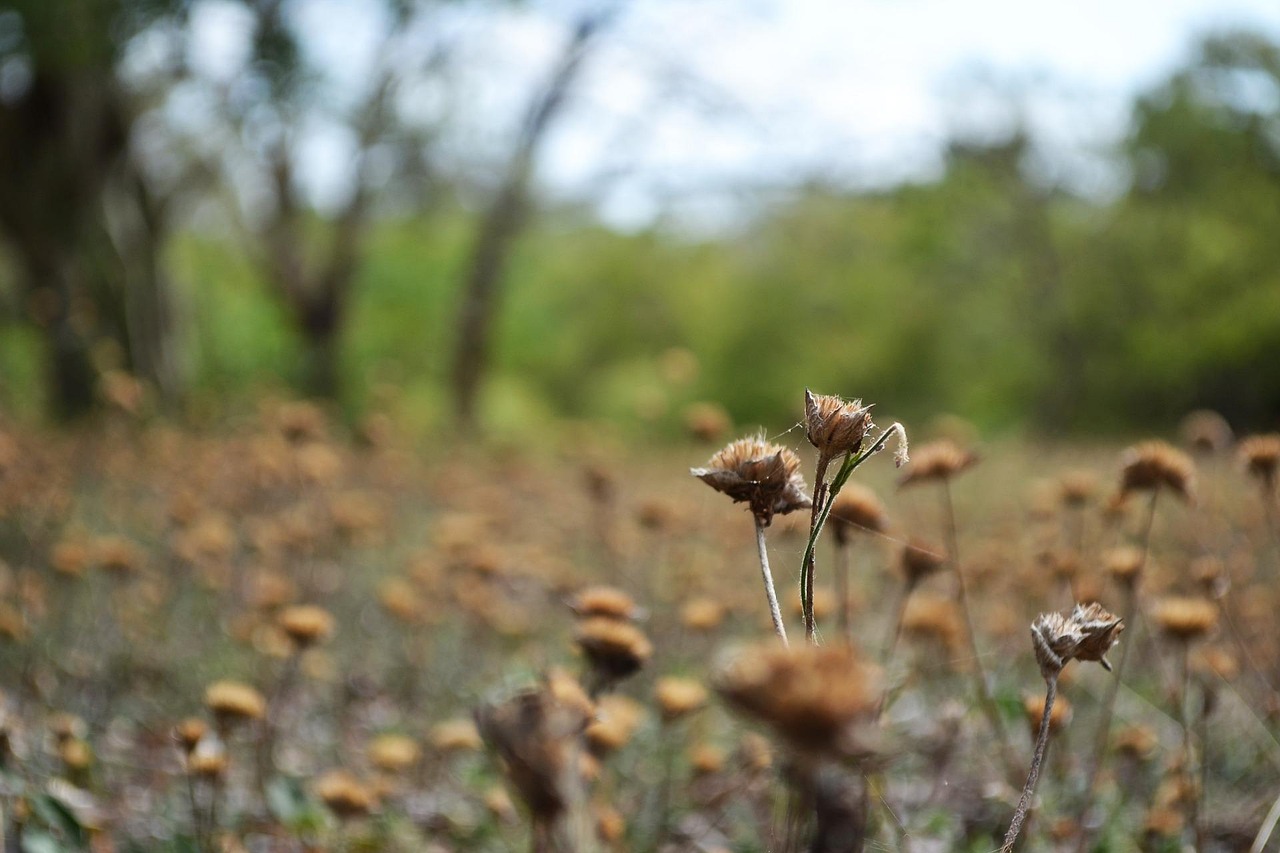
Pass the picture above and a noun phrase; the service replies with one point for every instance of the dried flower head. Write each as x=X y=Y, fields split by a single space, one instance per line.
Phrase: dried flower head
x=934 y=618
x=764 y=475
x=606 y=601
x=1086 y=633
x=702 y=614
x=306 y=624
x=678 y=697
x=857 y=508
x=817 y=698
x=535 y=736
x=1124 y=564
x=232 y=702
x=1185 y=619
x=392 y=753
x=458 y=735
x=1205 y=431
x=344 y=795
x=835 y=426
x=1151 y=465
x=189 y=732
x=615 y=649
x=1076 y=487
x=1260 y=455
x=918 y=560
x=208 y=759
x=616 y=720
x=706 y=421
x=938 y=460
x=1059 y=717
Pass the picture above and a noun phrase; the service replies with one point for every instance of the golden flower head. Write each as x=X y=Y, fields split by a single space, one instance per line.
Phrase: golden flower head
x=1151 y=465
x=817 y=698
x=616 y=720
x=1185 y=619
x=764 y=475
x=1205 y=431
x=857 y=508
x=344 y=795
x=678 y=697
x=306 y=624
x=233 y=701
x=457 y=735
x=1086 y=633
x=1059 y=717
x=189 y=732
x=938 y=460
x=835 y=426
x=615 y=649
x=1124 y=564
x=606 y=601
x=1261 y=457
x=394 y=753
x=702 y=614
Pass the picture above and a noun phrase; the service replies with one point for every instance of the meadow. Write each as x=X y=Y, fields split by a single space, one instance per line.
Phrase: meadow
x=286 y=633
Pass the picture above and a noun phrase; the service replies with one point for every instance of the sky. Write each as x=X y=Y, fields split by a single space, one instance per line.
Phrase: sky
x=689 y=103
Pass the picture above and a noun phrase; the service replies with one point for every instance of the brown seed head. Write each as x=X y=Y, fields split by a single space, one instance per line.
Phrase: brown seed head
x=934 y=618
x=606 y=601
x=1077 y=487
x=616 y=720
x=1206 y=432
x=1137 y=742
x=1124 y=564
x=918 y=560
x=208 y=759
x=835 y=426
x=615 y=649
x=344 y=795
x=233 y=701
x=1086 y=633
x=1059 y=717
x=394 y=753
x=536 y=737
x=306 y=624
x=766 y=476
x=458 y=735
x=1185 y=619
x=702 y=614
x=938 y=460
x=817 y=698
x=1151 y=465
x=678 y=697
x=189 y=732
x=1260 y=455
x=857 y=509
x=707 y=422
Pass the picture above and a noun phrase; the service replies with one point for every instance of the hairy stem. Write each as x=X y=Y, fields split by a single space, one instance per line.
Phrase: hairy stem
x=769 y=592
x=1029 y=789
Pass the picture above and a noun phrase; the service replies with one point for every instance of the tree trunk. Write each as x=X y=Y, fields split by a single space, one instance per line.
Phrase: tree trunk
x=502 y=223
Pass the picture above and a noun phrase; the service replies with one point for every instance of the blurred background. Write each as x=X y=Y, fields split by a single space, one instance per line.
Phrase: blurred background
x=508 y=214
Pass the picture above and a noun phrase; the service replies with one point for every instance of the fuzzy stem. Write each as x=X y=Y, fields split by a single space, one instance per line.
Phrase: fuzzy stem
x=987 y=704
x=1028 y=790
x=810 y=554
x=1109 y=704
x=769 y=593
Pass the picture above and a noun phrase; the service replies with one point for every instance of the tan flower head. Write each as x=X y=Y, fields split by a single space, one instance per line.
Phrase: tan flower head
x=1205 y=431
x=306 y=624
x=762 y=474
x=344 y=795
x=1059 y=717
x=938 y=460
x=394 y=753
x=678 y=697
x=1261 y=457
x=615 y=649
x=815 y=697
x=1086 y=633
x=835 y=426
x=918 y=560
x=1185 y=619
x=1076 y=487
x=1152 y=465
x=232 y=701
x=856 y=509
x=606 y=601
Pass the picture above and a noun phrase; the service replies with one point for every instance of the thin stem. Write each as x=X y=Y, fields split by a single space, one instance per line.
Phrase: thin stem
x=769 y=593
x=1188 y=765
x=980 y=677
x=1109 y=704
x=843 y=623
x=1028 y=790
x=810 y=554
x=1268 y=825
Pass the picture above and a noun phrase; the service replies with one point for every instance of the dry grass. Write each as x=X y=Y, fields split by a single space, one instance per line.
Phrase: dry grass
x=275 y=637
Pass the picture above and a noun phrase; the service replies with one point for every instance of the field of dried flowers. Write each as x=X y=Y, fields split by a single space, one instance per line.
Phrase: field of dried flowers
x=285 y=636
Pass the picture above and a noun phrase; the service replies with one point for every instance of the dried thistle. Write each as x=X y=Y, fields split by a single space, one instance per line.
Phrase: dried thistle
x=1185 y=619
x=1086 y=633
x=606 y=601
x=1206 y=432
x=1152 y=465
x=614 y=649
x=835 y=426
x=1260 y=455
x=764 y=475
x=857 y=508
x=938 y=460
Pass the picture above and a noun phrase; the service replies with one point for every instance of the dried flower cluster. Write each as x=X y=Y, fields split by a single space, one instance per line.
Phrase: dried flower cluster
x=764 y=475
x=1086 y=633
